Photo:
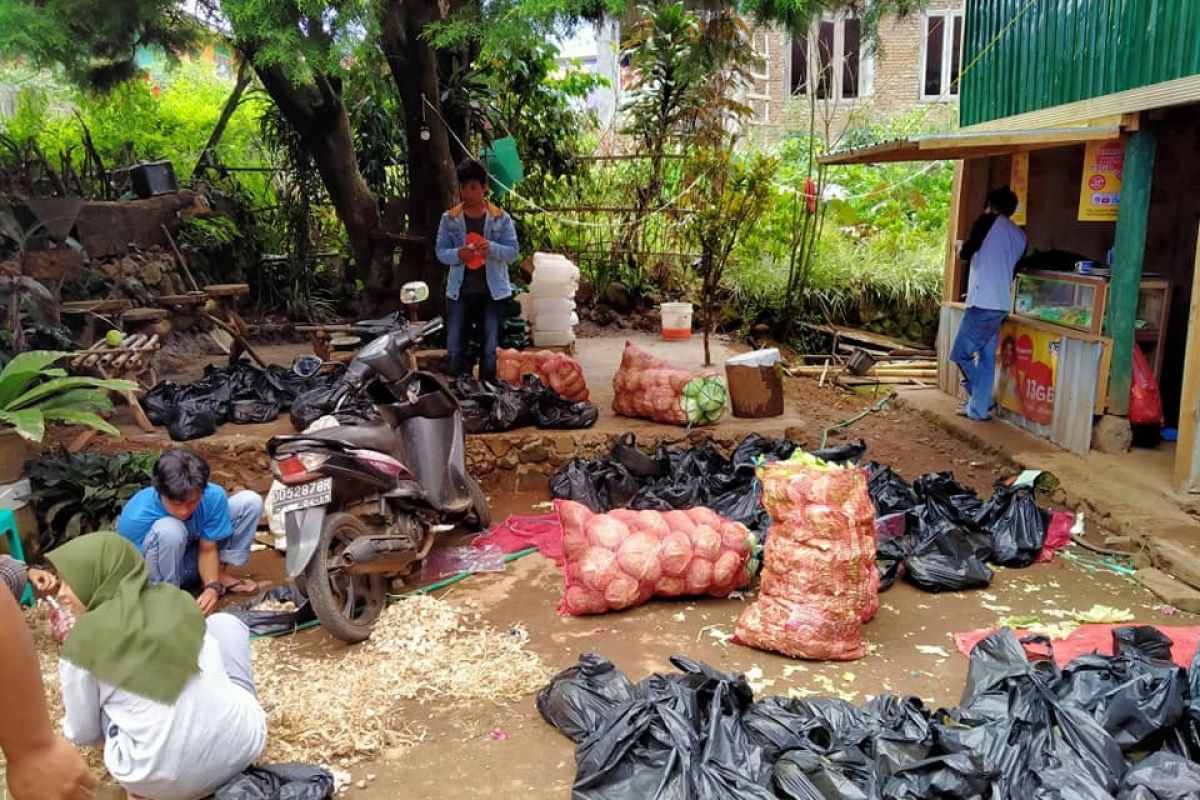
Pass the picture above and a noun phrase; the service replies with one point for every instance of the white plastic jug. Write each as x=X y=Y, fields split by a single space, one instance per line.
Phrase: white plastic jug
x=556 y=322
x=552 y=305
x=553 y=269
x=556 y=338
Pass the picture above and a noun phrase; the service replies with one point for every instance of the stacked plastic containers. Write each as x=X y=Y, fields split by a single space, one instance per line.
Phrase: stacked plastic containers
x=549 y=308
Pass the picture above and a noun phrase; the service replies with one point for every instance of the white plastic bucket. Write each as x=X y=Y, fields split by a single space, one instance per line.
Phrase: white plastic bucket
x=676 y=321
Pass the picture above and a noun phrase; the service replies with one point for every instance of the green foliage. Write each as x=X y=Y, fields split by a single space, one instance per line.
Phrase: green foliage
x=32 y=393
x=77 y=493
x=170 y=118
x=798 y=15
x=209 y=232
x=95 y=41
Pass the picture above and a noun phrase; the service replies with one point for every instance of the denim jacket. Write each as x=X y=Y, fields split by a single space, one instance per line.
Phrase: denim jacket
x=497 y=229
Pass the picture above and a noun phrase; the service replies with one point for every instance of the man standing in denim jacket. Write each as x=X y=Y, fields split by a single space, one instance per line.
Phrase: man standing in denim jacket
x=477 y=240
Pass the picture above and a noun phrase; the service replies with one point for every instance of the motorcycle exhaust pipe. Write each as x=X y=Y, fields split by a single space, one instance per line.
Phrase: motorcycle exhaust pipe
x=376 y=554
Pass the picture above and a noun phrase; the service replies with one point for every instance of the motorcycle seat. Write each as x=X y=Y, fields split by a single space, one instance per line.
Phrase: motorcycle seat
x=374 y=435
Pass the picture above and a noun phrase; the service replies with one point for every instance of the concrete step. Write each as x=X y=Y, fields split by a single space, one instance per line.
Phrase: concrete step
x=1173 y=592
x=1176 y=559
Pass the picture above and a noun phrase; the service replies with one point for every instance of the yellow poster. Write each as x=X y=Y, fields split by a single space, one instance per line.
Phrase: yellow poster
x=1018 y=181
x=1100 y=188
x=1026 y=367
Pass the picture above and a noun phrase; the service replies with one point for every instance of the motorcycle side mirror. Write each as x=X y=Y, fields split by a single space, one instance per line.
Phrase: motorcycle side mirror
x=414 y=292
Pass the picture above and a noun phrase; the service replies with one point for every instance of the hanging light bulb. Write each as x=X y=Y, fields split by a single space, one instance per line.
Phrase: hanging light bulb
x=424 y=133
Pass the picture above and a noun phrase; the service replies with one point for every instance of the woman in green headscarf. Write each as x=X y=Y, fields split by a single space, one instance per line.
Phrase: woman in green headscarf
x=170 y=696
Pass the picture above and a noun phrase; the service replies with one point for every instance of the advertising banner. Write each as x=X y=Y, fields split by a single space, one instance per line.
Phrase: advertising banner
x=1018 y=181
x=1100 y=188
x=1026 y=367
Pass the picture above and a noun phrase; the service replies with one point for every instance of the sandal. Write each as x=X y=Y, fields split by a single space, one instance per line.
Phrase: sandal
x=241 y=586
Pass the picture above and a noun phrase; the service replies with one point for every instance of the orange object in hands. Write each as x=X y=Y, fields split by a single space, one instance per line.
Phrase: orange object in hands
x=476 y=259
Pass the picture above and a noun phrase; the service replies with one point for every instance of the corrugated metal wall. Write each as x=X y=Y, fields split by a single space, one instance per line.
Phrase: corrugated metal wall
x=1061 y=51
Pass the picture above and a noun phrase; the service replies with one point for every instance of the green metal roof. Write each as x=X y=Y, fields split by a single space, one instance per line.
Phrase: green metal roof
x=1026 y=55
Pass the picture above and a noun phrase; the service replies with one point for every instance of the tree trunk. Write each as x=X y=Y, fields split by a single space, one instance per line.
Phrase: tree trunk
x=431 y=179
x=316 y=111
x=231 y=105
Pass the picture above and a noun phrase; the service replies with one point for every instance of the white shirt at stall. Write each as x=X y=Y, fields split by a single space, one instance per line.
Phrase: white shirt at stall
x=183 y=751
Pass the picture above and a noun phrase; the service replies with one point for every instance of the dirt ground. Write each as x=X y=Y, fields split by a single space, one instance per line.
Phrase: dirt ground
x=506 y=750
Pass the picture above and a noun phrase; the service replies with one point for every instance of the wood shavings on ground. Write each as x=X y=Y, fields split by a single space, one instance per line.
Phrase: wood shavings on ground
x=340 y=705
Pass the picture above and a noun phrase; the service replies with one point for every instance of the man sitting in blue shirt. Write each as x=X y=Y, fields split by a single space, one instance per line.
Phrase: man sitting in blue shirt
x=189 y=531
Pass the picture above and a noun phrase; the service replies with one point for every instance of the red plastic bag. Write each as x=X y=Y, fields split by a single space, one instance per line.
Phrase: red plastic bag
x=623 y=558
x=650 y=388
x=1145 y=400
x=559 y=371
x=819 y=581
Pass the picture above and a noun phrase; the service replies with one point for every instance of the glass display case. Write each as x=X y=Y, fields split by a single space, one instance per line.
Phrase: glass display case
x=1061 y=298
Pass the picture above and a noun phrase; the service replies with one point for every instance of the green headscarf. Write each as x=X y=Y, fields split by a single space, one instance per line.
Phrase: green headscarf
x=145 y=639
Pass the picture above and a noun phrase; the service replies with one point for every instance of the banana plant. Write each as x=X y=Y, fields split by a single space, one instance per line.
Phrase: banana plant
x=33 y=392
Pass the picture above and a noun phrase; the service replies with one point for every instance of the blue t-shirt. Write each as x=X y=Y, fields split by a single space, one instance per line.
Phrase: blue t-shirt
x=209 y=521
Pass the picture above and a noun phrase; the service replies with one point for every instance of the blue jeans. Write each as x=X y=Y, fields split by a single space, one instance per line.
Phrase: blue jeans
x=473 y=317
x=171 y=551
x=974 y=352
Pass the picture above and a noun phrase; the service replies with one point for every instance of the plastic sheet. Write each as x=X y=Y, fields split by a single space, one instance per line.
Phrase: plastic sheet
x=446 y=561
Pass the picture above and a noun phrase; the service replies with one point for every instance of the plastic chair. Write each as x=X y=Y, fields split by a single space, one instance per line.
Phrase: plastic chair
x=8 y=530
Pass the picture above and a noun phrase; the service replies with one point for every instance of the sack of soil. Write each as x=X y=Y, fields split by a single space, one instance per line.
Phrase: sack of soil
x=819 y=583
x=280 y=609
x=623 y=558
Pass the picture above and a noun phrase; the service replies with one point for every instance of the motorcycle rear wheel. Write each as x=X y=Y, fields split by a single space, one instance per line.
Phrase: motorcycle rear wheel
x=479 y=518
x=347 y=605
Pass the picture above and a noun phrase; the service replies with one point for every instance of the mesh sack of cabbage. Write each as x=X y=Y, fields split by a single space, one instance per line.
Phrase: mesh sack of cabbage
x=559 y=371
x=650 y=388
x=623 y=558
x=819 y=581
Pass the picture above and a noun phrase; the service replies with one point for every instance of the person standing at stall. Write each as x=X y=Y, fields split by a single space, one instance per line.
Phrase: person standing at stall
x=477 y=240
x=993 y=248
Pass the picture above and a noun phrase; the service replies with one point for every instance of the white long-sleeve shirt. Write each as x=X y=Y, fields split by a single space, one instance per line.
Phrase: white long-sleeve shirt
x=182 y=751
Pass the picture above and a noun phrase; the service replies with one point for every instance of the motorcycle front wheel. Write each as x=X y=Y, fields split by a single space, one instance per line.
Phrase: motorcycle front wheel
x=347 y=605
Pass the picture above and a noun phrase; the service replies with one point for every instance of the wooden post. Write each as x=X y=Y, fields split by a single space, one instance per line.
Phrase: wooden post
x=1187 y=456
x=1129 y=249
x=950 y=273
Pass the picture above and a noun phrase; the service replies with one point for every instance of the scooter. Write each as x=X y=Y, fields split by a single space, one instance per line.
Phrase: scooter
x=364 y=503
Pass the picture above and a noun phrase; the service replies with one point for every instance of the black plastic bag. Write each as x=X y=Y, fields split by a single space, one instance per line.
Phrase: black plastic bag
x=1142 y=640
x=248 y=412
x=1162 y=776
x=944 y=499
x=843 y=774
x=579 y=699
x=848 y=453
x=321 y=401
x=750 y=450
x=889 y=492
x=279 y=782
x=554 y=413
x=818 y=723
x=1016 y=525
x=193 y=418
x=494 y=407
x=626 y=453
x=158 y=401
x=957 y=775
x=263 y=622
x=943 y=560
x=901 y=735
x=1138 y=700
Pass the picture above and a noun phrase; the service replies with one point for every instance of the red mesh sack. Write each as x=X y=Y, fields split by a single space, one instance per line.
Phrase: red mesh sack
x=623 y=558
x=819 y=581
x=558 y=371
x=649 y=388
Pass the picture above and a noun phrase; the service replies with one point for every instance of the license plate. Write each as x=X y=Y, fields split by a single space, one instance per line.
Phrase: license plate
x=304 y=495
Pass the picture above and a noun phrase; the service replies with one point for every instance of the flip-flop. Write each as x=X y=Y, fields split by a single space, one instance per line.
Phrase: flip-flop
x=240 y=585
